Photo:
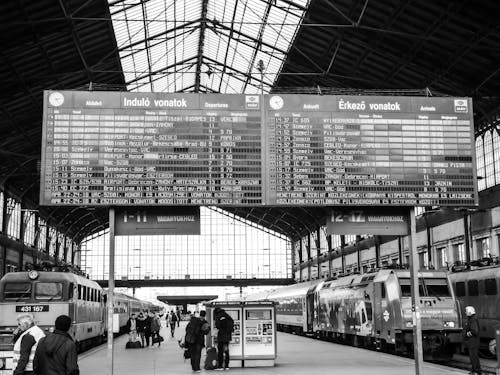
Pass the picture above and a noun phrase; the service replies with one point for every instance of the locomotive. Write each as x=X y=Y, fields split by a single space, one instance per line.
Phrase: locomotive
x=47 y=295
x=373 y=310
x=480 y=287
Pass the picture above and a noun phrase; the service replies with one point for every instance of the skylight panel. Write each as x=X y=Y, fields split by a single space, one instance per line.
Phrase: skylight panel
x=173 y=55
x=160 y=84
x=157 y=54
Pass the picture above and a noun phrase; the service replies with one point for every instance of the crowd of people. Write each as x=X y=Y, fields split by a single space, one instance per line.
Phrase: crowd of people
x=144 y=328
x=36 y=353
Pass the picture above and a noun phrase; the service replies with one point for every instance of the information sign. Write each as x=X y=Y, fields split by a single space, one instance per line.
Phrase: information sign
x=157 y=220
x=129 y=149
x=392 y=221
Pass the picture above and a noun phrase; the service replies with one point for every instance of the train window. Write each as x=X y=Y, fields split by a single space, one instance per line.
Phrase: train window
x=92 y=295
x=490 y=287
x=472 y=285
x=70 y=291
x=84 y=290
x=437 y=287
x=405 y=285
x=17 y=291
x=382 y=290
x=80 y=295
x=460 y=288
x=48 y=291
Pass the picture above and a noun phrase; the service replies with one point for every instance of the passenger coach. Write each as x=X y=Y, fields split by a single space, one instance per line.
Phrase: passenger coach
x=374 y=310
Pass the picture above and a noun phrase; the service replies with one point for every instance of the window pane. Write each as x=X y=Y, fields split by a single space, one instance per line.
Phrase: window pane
x=472 y=285
x=460 y=289
x=490 y=287
x=17 y=291
x=48 y=291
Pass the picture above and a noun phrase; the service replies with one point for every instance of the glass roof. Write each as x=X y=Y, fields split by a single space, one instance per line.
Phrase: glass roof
x=204 y=45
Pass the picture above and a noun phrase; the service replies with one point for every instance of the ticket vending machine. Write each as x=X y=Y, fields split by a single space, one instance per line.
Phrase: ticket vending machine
x=259 y=322
x=253 y=341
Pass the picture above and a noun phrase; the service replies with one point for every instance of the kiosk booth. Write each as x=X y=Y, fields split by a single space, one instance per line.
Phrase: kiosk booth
x=253 y=341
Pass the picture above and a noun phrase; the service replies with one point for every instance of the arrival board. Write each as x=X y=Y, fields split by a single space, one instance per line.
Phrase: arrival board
x=122 y=149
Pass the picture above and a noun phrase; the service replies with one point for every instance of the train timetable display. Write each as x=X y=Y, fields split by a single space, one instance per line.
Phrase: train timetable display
x=108 y=148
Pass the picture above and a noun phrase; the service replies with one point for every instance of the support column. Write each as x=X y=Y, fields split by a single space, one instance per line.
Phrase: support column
x=329 y=243
x=308 y=248
x=111 y=289
x=22 y=229
x=318 y=251
x=301 y=259
x=342 y=252
x=4 y=230
x=37 y=237
x=377 y=251
x=415 y=299
x=467 y=236
x=401 y=240
x=358 y=251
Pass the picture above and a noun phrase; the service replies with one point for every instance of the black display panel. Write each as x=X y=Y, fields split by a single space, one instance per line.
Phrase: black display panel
x=120 y=149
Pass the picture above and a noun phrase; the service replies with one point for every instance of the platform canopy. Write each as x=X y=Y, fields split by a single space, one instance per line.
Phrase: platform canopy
x=316 y=46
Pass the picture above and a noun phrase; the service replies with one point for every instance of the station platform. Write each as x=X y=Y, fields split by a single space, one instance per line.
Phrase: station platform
x=297 y=355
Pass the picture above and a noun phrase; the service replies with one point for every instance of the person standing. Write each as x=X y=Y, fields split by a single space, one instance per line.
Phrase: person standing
x=471 y=339
x=225 y=326
x=194 y=340
x=141 y=327
x=155 y=329
x=28 y=336
x=132 y=328
x=147 y=330
x=56 y=353
x=172 y=320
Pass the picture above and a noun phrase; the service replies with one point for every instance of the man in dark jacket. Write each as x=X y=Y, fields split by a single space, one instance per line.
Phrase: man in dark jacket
x=471 y=339
x=225 y=326
x=56 y=353
x=194 y=341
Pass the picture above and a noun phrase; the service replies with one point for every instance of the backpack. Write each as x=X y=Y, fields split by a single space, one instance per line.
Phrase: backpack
x=205 y=328
x=193 y=331
x=211 y=359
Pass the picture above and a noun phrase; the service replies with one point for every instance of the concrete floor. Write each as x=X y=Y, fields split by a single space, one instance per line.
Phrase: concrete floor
x=296 y=355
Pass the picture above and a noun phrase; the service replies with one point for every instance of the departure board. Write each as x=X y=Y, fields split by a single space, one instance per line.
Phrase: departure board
x=123 y=149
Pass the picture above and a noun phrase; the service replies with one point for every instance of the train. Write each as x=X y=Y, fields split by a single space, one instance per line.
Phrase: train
x=47 y=295
x=373 y=310
x=479 y=286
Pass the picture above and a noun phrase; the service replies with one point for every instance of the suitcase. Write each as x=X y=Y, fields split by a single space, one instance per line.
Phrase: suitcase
x=211 y=359
x=133 y=345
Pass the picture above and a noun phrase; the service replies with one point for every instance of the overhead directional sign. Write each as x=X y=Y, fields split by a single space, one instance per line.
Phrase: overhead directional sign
x=129 y=149
x=157 y=220
x=391 y=221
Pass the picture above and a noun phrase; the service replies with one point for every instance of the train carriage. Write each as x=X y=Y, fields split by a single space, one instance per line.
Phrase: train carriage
x=374 y=310
x=47 y=295
x=480 y=287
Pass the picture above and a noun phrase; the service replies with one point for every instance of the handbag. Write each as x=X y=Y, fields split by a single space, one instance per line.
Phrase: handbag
x=187 y=353
x=158 y=339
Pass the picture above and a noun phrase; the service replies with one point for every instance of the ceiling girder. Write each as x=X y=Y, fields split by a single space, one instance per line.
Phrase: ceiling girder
x=201 y=44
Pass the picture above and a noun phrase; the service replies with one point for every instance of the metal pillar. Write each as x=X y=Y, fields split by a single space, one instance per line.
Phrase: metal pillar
x=400 y=250
x=466 y=236
x=377 y=252
x=415 y=298
x=111 y=288
x=342 y=254
x=358 y=250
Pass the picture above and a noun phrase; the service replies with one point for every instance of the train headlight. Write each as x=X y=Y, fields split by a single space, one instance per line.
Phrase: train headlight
x=449 y=324
x=33 y=275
